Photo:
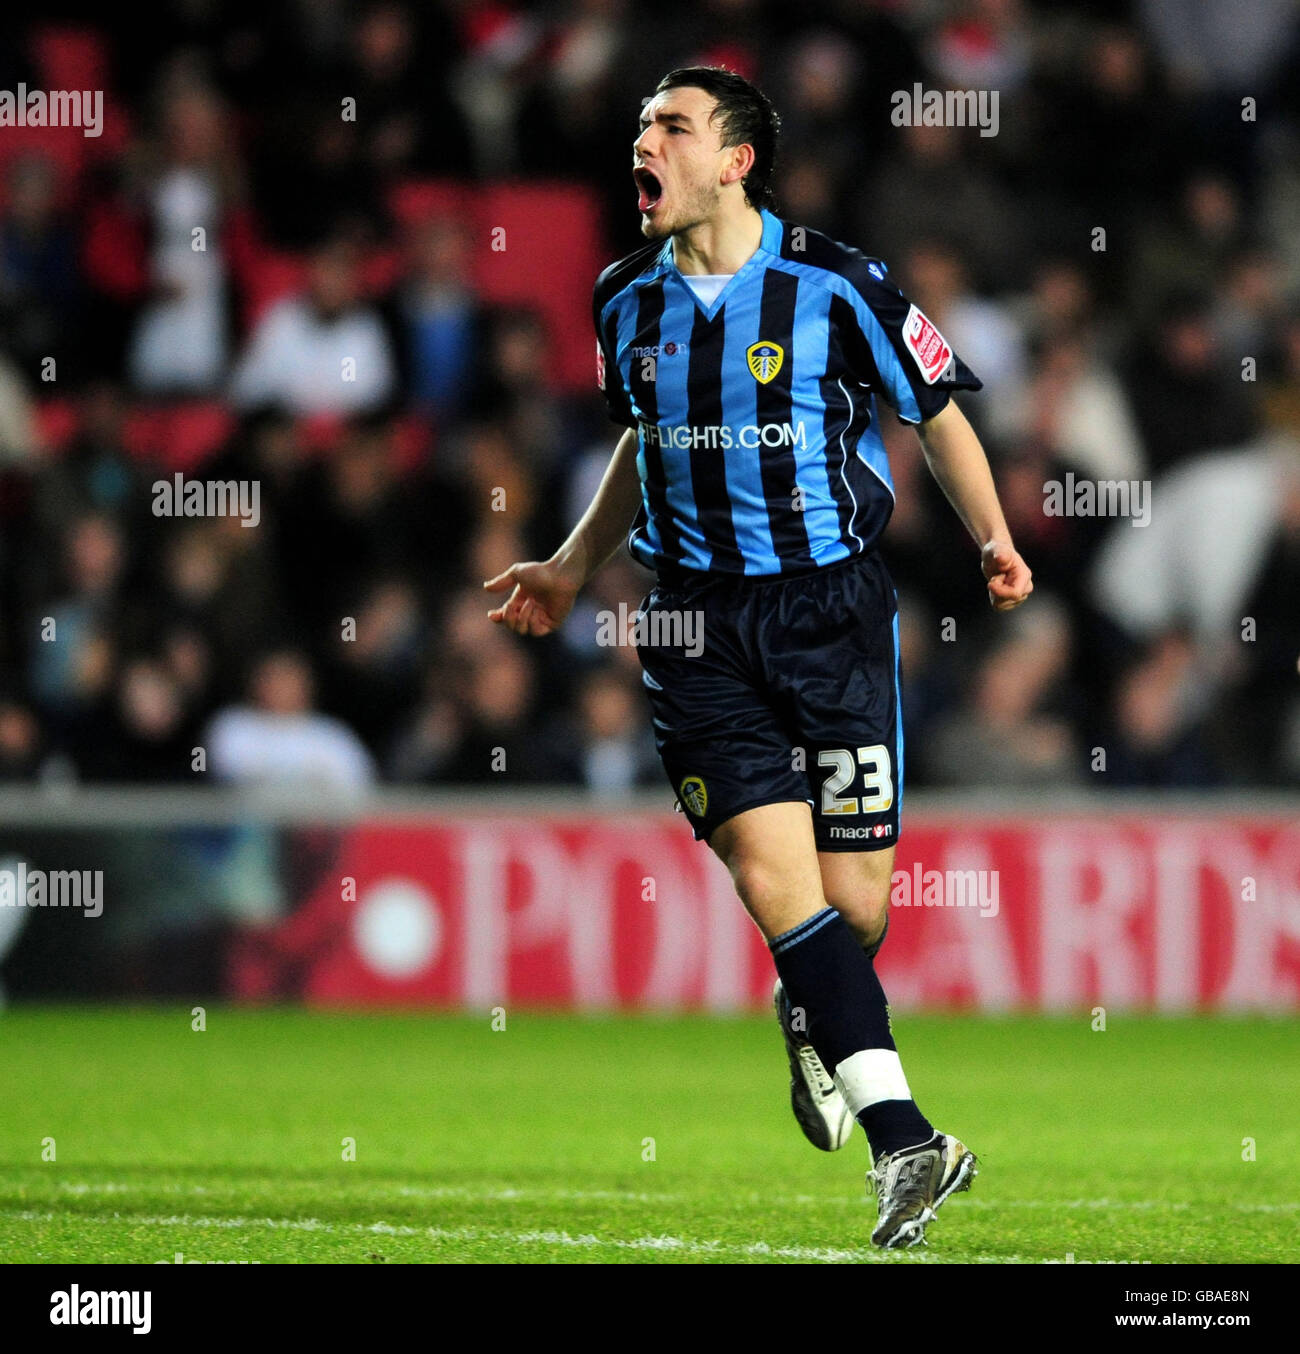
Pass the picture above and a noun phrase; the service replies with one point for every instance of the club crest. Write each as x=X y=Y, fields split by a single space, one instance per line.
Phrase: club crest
x=764 y=360
x=695 y=796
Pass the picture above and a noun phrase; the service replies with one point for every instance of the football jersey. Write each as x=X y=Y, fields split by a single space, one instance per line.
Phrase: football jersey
x=758 y=441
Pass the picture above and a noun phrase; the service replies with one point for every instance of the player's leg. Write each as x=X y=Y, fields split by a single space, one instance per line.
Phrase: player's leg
x=772 y=858
x=835 y=660
x=726 y=748
x=771 y=854
x=856 y=885
x=728 y=758
x=912 y=1181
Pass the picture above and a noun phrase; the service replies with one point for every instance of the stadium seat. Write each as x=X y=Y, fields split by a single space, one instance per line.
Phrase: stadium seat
x=57 y=422
x=71 y=57
x=178 y=436
x=416 y=200
x=546 y=259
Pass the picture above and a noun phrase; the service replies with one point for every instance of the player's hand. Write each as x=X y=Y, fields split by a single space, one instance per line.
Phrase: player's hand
x=543 y=595
x=1009 y=578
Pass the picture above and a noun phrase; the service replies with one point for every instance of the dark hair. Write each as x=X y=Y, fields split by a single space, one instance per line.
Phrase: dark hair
x=744 y=116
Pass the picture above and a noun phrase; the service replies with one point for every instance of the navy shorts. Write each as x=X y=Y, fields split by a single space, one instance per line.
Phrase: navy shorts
x=767 y=690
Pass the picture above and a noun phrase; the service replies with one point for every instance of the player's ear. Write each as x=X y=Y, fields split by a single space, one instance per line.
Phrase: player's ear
x=739 y=162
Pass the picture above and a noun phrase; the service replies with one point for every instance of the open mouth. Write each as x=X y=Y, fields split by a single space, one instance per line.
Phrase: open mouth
x=649 y=190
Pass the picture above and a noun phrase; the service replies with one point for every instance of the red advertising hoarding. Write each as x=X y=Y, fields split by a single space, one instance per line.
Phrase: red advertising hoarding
x=1171 y=912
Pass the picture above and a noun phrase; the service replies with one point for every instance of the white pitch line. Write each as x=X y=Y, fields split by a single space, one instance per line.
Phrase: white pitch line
x=523 y=1194
x=669 y=1244
x=506 y=1194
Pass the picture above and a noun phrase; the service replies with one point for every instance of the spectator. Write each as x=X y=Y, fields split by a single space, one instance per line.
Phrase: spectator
x=518 y=390
x=72 y=658
x=350 y=517
x=484 y=732
x=933 y=180
x=40 y=288
x=442 y=317
x=278 y=739
x=179 y=347
x=149 y=739
x=325 y=352
x=372 y=682
x=1153 y=579
x=95 y=473
x=18 y=436
x=1014 y=733
x=20 y=742
x=615 y=752
x=986 y=333
x=1183 y=400
x=1077 y=406
x=1161 y=705
x=455 y=444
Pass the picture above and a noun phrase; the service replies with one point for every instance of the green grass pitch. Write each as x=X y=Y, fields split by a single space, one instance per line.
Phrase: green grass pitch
x=638 y=1140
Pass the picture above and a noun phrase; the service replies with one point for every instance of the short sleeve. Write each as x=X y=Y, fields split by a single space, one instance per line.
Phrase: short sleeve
x=609 y=379
x=893 y=346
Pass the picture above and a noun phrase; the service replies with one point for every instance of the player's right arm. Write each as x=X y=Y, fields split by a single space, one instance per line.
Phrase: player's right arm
x=543 y=592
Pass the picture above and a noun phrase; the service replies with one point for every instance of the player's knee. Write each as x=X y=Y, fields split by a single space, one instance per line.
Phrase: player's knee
x=866 y=909
x=758 y=885
x=776 y=897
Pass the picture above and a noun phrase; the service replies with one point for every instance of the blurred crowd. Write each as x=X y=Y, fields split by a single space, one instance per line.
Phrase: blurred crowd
x=1120 y=264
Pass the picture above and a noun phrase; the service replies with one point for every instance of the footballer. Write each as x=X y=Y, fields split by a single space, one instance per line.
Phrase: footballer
x=745 y=356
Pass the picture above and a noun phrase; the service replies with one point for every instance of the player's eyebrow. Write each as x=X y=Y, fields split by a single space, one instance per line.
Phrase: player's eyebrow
x=679 y=118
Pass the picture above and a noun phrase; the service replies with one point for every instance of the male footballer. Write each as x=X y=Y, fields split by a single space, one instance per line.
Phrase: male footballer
x=745 y=357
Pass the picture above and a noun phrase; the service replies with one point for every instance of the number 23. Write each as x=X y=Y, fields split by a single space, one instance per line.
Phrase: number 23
x=877 y=780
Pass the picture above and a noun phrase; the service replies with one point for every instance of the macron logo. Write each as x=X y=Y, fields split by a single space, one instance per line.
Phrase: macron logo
x=73 y=1307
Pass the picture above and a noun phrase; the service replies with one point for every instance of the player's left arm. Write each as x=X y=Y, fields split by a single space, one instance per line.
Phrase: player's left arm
x=957 y=461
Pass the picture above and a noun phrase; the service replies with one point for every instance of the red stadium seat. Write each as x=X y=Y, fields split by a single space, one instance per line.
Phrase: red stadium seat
x=415 y=200
x=70 y=57
x=269 y=277
x=179 y=436
x=380 y=271
x=115 y=251
x=546 y=259
x=57 y=422
x=63 y=147
x=551 y=257
x=173 y=436
x=413 y=440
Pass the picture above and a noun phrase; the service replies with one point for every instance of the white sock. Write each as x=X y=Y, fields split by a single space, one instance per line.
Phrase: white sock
x=872 y=1075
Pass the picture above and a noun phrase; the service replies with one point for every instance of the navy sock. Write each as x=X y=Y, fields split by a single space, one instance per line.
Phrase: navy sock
x=826 y=973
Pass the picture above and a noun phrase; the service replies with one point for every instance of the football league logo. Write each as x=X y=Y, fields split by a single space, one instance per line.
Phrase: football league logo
x=764 y=360
x=695 y=796
x=930 y=350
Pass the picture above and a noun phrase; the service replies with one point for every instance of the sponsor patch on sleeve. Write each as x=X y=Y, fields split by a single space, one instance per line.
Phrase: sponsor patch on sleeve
x=929 y=348
x=600 y=366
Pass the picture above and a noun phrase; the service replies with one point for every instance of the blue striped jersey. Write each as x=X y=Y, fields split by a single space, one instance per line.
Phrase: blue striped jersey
x=759 y=448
